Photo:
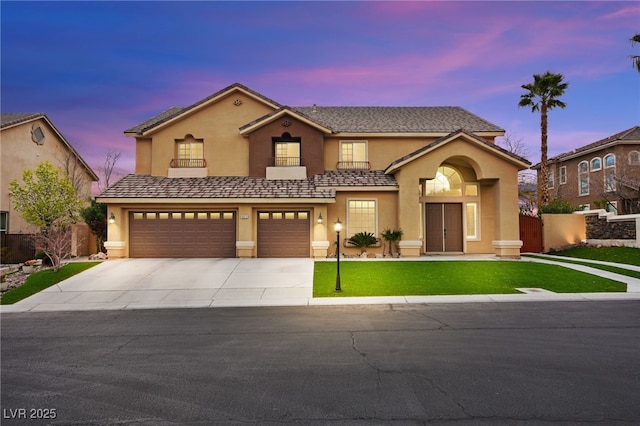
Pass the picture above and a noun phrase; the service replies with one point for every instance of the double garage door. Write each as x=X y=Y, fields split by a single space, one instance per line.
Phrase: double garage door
x=182 y=234
x=213 y=234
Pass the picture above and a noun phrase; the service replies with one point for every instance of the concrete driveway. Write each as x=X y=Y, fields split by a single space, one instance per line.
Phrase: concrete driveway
x=178 y=283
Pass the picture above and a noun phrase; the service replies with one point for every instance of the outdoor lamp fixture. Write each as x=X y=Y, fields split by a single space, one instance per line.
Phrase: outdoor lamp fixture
x=338 y=227
x=320 y=218
x=112 y=218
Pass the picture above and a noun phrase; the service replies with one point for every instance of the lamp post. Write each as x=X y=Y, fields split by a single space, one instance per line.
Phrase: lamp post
x=338 y=227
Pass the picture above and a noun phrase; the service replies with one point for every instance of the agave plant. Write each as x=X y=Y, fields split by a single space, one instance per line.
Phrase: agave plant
x=392 y=236
x=363 y=240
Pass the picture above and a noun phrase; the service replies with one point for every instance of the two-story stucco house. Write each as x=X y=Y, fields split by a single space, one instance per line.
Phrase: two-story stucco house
x=603 y=174
x=27 y=140
x=239 y=175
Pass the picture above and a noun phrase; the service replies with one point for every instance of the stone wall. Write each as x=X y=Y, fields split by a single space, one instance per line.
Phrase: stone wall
x=599 y=228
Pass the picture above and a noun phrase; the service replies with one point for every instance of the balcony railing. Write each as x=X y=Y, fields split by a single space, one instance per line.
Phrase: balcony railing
x=185 y=163
x=286 y=162
x=353 y=165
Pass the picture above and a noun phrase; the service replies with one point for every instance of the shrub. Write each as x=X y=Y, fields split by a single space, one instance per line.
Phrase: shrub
x=363 y=240
x=559 y=207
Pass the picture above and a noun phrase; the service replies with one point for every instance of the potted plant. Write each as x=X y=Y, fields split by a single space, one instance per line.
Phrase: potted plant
x=392 y=237
x=363 y=240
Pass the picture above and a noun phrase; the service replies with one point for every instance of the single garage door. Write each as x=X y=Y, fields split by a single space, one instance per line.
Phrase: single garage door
x=182 y=234
x=283 y=234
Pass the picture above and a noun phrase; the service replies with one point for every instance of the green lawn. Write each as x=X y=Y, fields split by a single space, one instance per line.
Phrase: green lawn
x=627 y=255
x=405 y=278
x=38 y=281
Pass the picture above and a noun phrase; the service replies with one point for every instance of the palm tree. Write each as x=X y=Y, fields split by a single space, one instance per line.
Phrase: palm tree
x=543 y=96
x=635 y=58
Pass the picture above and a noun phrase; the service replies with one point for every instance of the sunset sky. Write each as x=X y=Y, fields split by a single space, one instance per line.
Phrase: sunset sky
x=98 y=68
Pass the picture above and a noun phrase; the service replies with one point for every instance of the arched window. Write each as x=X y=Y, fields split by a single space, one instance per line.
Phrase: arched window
x=447 y=182
x=634 y=158
x=609 y=173
x=596 y=164
x=583 y=178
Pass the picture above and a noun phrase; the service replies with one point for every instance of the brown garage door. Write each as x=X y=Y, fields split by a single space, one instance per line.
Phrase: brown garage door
x=283 y=234
x=182 y=234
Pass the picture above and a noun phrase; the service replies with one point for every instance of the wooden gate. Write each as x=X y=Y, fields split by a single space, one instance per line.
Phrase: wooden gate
x=531 y=234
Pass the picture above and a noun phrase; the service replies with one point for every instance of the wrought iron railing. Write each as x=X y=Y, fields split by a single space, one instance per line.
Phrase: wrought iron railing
x=286 y=162
x=353 y=165
x=188 y=163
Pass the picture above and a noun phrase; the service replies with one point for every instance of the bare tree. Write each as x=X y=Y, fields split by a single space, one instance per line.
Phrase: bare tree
x=111 y=158
x=514 y=145
x=71 y=167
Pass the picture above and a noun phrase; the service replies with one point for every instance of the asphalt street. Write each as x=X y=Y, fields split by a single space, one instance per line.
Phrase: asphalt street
x=508 y=363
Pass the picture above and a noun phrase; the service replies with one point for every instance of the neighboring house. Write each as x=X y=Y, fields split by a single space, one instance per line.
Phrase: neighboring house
x=28 y=139
x=603 y=174
x=239 y=175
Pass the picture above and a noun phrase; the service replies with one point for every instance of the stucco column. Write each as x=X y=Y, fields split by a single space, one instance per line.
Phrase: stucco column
x=245 y=244
x=115 y=244
x=507 y=243
x=409 y=214
x=320 y=242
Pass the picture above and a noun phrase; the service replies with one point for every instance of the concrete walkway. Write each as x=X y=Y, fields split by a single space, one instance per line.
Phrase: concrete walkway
x=200 y=283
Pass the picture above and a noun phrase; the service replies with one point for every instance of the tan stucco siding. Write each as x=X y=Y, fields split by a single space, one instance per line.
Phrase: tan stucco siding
x=381 y=151
x=18 y=153
x=143 y=156
x=225 y=150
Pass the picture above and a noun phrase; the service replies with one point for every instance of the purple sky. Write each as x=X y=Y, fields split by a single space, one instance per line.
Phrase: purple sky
x=97 y=68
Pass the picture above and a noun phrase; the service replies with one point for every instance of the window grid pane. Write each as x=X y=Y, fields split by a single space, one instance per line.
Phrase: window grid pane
x=362 y=216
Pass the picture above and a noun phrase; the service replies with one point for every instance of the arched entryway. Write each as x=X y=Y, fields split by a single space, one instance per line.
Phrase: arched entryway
x=450 y=210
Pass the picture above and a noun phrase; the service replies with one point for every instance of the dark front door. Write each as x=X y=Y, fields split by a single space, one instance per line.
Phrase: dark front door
x=443 y=227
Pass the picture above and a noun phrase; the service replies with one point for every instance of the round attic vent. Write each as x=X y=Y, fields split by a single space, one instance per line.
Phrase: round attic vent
x=37 y=135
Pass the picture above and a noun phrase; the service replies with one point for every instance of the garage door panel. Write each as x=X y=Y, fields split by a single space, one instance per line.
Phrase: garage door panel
x=182 y=234
x=283 y=234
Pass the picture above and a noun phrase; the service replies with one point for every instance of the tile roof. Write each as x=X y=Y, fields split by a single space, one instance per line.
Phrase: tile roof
x=319 y=186
x=9 y=119
x=372 y=119
x=146 y=186
x=630 y=135
x=354 y=178
x=357 y=119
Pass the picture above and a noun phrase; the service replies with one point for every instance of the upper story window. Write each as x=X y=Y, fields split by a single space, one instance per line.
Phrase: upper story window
x=634 y=158
x=583 y=178
x=286 y=151
x=353 y=155
x=550 y=180
x=609 y=160
x=189 y=153
x=609 y=173
x=563 y=175
x=596 y=164
x=447 y=182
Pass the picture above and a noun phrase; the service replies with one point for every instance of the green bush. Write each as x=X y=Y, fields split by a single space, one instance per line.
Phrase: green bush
x=363 y=240
x=559 y=207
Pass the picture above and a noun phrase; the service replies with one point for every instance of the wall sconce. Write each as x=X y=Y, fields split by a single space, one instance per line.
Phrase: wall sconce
x=320 y=218
x=112 y=218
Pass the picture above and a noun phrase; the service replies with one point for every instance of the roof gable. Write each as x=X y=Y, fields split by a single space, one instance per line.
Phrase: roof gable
x=628 y=136
x=9 y=120
x=176 y=113
x=460 y=133
x=279 y=113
